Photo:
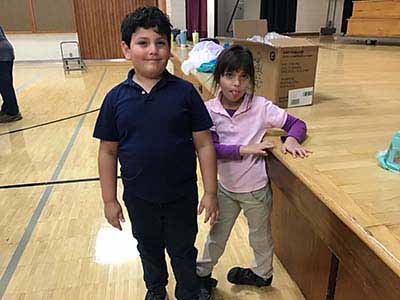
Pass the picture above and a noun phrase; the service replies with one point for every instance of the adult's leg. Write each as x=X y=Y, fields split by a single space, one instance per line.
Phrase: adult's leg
x=10 y=106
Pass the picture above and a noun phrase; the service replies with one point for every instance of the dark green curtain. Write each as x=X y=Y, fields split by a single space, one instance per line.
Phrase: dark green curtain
x=281 y=15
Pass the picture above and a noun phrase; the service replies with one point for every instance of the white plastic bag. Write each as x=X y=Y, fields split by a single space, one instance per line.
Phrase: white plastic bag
x=256 y=38
x=268 y=37
x=201 y=53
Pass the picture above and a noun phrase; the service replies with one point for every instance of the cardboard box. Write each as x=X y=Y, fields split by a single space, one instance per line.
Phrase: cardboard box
x=285 y=70
x=247 y=28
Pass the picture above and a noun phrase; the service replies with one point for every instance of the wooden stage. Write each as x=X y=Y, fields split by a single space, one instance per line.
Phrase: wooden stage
x=336 y=216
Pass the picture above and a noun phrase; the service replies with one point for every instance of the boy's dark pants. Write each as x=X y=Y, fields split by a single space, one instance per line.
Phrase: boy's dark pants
x=7 y=91
x=171 y=226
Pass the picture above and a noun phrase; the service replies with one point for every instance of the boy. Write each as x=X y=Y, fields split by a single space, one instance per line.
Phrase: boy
x=154 y=122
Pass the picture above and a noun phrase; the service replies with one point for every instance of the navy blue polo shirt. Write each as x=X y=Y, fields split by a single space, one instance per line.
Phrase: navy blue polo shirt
x=154 y=135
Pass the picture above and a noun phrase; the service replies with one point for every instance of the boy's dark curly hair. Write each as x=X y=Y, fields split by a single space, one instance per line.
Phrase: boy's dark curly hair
x=145 y=17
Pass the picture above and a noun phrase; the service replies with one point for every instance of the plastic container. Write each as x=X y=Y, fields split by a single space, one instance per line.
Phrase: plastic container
x=195 y=37
x=183 y=37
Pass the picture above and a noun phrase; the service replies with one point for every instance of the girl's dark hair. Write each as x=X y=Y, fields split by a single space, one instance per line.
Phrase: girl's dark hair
x=235 y=57
x=145 y=17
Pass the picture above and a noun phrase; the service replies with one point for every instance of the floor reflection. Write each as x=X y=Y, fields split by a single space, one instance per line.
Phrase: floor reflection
x=114 y=246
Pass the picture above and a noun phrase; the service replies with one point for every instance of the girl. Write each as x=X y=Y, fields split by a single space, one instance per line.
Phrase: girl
x=240 y=121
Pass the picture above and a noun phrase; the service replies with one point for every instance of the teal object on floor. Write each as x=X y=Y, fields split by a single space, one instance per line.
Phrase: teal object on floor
x=390 y=159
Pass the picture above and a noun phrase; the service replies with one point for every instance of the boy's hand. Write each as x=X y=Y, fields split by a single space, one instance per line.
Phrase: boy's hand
x=210 y=203
x=292 y=146
x=113 y=214
x=257 y=149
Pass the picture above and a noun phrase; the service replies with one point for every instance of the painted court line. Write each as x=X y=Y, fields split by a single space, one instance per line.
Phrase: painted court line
x=12 y=265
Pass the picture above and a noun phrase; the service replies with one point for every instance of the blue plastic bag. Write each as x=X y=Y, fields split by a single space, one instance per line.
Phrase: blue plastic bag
x=207 y=67
x=390 y=159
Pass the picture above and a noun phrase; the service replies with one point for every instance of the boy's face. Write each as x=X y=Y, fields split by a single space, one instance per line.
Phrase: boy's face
x=149 y=52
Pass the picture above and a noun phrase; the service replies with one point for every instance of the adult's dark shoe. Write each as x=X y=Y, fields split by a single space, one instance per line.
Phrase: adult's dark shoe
x=207 y=285
x=5 y=118
x=243 y=276
x=151 y=295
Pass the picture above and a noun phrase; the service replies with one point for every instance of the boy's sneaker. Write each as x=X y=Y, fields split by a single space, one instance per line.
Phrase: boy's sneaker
x=151 y=295
x=5 y=118
x=248 y=277
x=207 y=284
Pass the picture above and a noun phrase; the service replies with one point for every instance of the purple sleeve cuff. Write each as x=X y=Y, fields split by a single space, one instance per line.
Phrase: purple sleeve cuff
x=231 y=152
x=295 y=128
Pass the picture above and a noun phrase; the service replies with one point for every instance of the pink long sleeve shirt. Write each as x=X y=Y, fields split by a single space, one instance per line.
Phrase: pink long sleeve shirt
x=246 y=126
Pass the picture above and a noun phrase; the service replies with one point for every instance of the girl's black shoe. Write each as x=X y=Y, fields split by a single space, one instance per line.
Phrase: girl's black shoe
x=239 y=275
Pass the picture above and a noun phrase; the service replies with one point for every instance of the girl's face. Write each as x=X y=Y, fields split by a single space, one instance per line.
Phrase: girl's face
x=233 y=86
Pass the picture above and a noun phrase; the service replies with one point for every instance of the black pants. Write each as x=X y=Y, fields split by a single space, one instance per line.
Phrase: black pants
x=170 y=226
x=7 y=91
